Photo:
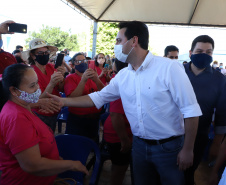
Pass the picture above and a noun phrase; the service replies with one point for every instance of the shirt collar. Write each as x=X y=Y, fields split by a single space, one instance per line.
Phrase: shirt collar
x=145 y=63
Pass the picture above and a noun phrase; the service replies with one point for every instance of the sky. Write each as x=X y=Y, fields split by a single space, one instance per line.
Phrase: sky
x=56 y=13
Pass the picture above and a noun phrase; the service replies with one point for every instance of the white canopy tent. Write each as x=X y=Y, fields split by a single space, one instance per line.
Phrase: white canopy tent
x=178 y=12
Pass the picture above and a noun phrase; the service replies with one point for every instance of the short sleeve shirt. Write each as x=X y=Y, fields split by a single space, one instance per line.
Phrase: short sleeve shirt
x=43 y=81
x=71 y=83
x=20 y=130
x=110 y=134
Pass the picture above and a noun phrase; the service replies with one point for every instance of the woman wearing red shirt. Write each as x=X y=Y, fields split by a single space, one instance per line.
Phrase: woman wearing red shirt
x=82 y=121
x=28 y=150
x=100 y=61
x=49 y=79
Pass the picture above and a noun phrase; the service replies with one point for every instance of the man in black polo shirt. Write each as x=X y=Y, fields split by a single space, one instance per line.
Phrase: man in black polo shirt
x=210 y=89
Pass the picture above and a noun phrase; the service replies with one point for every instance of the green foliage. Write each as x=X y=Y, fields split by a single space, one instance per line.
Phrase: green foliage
x=106 y=35
x=56 y=37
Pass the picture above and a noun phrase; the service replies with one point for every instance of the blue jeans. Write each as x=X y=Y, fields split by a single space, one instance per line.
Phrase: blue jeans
x=157 y=164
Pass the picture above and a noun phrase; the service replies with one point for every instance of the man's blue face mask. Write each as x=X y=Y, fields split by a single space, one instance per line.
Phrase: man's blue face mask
x=202 y=60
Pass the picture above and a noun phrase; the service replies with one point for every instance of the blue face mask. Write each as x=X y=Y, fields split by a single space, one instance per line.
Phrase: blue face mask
x=1 y=43
x=202 y=60
x=81 y=67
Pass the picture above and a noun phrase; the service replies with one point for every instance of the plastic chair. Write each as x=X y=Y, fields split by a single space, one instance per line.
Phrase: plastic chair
x=62 y=116
x=74 y=147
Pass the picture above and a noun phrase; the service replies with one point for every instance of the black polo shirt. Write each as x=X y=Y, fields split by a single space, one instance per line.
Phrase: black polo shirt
x=210 y=90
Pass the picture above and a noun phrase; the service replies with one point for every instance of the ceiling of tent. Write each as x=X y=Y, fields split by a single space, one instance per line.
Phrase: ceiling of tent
x=178 y=12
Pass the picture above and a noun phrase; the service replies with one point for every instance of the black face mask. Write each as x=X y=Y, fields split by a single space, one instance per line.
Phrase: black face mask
x=42 y=59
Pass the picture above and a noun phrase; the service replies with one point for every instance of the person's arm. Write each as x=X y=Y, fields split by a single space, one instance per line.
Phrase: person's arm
x=220 y=161
x=67 y=66
x=55 y=79
x=119 y=125
x=80 y=88
x=94 y=77
x=46 y=105
x=32 y=162
x=185 y=156
x=82 y=101
x=215 y=146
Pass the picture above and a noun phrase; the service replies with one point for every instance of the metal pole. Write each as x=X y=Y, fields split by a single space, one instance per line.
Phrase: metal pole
x=94 y=39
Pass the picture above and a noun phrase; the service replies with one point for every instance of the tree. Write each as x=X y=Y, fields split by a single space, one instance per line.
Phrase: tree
x=56 y=37
x=106 y=34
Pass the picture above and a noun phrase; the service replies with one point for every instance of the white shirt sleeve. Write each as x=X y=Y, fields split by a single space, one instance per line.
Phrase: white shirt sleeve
x=182 y=91
x=107 y=94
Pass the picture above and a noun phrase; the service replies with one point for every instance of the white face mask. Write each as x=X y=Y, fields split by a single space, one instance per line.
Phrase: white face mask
x=30 y=98
x=214 y=65
x=119 y=54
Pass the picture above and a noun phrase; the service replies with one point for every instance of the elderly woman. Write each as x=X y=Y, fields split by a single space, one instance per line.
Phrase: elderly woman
x=49 y=79
x=28 y=150
x=82 y=121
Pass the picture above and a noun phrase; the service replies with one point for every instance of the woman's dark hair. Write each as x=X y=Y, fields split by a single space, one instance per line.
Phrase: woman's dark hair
x=74 y=57
x=12 y=76
x=136 y=28
x=30 y=59
x=120 y=65
x=96 y=63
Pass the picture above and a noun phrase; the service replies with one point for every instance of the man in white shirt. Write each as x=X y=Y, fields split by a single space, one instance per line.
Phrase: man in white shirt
x=66 y=56
x=157 y=97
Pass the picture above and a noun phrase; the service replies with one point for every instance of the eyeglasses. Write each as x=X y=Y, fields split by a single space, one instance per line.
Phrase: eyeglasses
x=43 y=52
x=100 y=57
x=80 y=61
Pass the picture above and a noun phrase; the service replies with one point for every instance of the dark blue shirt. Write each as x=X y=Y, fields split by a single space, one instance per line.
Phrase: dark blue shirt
x=210 y=90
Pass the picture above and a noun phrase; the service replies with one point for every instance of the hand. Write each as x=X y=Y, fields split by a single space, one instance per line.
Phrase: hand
x=78 y=166
x=61 y=69
x=47 y=105
x=126 y=145
x=185 y=159
x=57 y=99
x=87 y=74
x=104 y=71
x=56 y=77
x=213 y=178
x=4 y=27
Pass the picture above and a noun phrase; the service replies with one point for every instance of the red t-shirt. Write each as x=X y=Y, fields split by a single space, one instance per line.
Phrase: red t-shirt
x=43 y=81
x=6 y=59
x=110 y=134
x=71 y=83
x=20 y=130
x=103 y=78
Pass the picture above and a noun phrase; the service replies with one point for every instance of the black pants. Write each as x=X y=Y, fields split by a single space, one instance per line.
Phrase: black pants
x=199 y=149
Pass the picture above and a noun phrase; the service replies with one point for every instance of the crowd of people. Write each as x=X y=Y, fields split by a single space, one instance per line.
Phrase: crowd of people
x=160 y=111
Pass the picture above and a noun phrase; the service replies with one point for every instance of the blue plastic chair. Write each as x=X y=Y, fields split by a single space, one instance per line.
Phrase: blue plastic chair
x=62 y=116
x=74 y=147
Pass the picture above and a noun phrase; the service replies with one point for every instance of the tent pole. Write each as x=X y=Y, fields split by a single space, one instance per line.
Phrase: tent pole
x=94 y=39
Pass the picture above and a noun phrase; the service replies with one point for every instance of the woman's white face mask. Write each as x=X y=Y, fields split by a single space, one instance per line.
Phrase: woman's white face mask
x=119 y=54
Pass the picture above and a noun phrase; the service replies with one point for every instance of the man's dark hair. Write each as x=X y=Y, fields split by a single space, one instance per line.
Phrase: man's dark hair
x=202 y=38
x=18 y=47
x=169 y=49
x=136 y=28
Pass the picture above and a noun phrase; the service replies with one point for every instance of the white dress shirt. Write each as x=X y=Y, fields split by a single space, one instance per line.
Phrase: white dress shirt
x=156 y=97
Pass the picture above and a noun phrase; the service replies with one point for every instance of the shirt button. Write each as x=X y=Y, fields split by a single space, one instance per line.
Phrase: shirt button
x=138 y=105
